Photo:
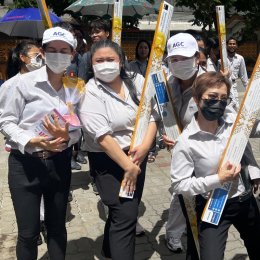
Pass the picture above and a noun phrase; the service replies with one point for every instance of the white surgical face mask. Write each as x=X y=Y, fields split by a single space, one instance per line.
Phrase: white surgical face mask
x=106 y=71
x=35 y=63
x=57 y=62
x=184 y=69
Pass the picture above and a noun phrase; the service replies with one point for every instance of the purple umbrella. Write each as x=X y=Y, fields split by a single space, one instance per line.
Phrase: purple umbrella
x=25 y=22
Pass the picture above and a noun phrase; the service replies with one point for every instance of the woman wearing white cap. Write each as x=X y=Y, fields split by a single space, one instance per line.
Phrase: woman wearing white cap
x=39 y=165
x=183 y=60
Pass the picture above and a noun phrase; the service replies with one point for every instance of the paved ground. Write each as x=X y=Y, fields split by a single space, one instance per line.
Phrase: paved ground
x=85 y=216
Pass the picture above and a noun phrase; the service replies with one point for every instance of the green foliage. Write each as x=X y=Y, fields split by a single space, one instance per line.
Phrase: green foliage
x=24 y=3
x=205 y=11
x=205 y=14
x=58 y=6
x=251 y=12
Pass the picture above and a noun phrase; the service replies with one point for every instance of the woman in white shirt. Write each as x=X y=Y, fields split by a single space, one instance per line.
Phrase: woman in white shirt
x=142 y=53
x=25 y=57
x=40 y=165
x=108 y=113
x=196 y=155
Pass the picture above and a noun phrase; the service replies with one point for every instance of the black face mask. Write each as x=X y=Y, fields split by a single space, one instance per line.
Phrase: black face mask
x=213 y=109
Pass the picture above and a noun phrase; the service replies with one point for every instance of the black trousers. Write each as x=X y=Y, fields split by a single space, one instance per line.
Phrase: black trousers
x=246 y=219
x=243 y=215
x=29 y=178
x=119 y=232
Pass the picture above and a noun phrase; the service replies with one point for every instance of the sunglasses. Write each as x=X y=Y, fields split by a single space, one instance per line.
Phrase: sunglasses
x=212 y=101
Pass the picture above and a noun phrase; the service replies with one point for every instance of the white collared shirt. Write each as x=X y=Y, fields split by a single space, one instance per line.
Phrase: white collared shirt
x=103 y=112
x=198 y=152
x=183 y=102
x=6 y=90
x=237 y=67
x=31 y=98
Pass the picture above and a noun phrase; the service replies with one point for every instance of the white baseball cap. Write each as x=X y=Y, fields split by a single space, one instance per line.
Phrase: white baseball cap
x=59 y=34
x=183 y=44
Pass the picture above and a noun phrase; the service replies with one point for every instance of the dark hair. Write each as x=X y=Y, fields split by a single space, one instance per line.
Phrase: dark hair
x=14 y=63
x=126 y=76
x=137 y=46
x=204 y=51
x=208 y=80
x=100 y=24
x=231 y=38
x=212 y=43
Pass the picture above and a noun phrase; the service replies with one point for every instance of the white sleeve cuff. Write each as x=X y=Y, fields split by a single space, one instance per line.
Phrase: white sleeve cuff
x=101 y=132
x=213 y=182
x=23 y=140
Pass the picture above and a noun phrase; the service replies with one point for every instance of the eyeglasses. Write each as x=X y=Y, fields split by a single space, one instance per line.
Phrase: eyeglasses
x=37 y=56
x=213 y=100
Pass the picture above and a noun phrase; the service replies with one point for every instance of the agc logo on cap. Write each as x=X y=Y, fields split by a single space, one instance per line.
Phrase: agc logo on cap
x=58 y=34
x=178 y=44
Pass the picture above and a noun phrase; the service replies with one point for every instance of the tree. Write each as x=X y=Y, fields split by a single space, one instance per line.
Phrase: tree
x=23 y=3
x=205 y=11
x=205 y=14
x=251 y=12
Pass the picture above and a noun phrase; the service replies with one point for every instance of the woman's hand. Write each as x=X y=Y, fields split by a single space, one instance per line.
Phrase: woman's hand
x=130 y=177
x=55 y=145
x=138 y=154
x=228 y=172
x=168 y=142
x=55 y=129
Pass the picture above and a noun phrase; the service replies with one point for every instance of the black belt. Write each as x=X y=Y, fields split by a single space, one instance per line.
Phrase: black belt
x=41 y=154
x=241 y=198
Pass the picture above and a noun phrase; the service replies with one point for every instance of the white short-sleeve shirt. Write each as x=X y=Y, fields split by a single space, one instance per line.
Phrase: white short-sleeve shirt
x=102 y=112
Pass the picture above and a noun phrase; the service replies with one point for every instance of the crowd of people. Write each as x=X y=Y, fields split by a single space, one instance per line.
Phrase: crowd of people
x=206 y=103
